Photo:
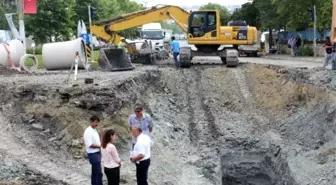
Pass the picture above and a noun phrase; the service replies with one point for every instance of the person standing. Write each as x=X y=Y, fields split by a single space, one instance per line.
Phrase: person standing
x=175 y=46
x=298 y=45
x=328 y=51
x=141 y=120
x=141 y=155
x=111 y=160
x=291 y=44
x=92 y=145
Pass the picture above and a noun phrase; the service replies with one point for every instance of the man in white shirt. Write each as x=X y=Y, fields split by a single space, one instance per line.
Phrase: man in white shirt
x=92 y=146
x=141 y=155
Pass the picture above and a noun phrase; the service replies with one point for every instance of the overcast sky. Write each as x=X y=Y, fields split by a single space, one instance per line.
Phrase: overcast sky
x=191 y=2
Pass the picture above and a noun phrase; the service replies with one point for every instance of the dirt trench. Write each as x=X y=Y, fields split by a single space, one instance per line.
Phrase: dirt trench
x=213 y=125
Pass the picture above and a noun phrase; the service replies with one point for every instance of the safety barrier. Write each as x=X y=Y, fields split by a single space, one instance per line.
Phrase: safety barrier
x=88 y=50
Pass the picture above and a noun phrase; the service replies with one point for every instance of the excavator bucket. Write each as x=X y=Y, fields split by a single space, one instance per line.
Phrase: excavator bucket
x=114 y=59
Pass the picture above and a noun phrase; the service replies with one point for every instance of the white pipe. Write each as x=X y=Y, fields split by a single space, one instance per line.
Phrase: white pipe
x=61 y=55
x=23 y=64
x=16 y=51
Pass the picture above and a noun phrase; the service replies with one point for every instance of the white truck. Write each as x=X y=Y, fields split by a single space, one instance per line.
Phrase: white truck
x=154 y=34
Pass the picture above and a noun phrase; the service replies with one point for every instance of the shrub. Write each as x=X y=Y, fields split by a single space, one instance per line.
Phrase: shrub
x=307 y=51
x=38 y=51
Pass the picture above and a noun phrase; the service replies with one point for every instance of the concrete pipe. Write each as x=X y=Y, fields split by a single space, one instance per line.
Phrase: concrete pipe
x=14 y=49
x=61 y=55
x=23 y=63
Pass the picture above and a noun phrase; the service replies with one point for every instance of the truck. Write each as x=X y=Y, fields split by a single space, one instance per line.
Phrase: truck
x=154 y=34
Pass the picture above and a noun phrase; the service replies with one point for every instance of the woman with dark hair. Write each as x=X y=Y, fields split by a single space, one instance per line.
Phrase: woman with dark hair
x=111 y=158
x=328 y=49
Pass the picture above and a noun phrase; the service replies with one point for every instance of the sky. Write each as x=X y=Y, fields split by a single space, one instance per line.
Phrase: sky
x=191 y=2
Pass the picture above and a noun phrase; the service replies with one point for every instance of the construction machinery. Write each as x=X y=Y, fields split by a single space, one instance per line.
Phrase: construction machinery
x=202 y=28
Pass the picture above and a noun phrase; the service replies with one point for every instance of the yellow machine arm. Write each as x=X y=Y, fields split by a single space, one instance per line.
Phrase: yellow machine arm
x=107 y=29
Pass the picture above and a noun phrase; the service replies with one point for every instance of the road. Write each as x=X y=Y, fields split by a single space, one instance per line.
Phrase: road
x=298 y=62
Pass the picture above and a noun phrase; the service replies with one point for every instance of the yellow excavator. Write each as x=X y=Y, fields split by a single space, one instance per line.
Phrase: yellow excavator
x=202 y=28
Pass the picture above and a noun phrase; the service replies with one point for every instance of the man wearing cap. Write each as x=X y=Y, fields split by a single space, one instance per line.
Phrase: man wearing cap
x=142 y=120
x=122 y=45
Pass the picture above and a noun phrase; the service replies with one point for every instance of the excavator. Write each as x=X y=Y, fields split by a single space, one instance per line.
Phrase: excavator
x=203 y=30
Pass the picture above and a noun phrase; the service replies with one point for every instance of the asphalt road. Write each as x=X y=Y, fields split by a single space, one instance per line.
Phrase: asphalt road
x=306 y=62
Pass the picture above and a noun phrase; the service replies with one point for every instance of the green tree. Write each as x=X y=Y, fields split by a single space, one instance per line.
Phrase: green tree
x=53 y=19
x=299 y=17
x=269 y=17
x=223 y=11
x=248 y=12
x=324 y=15
x=6 y=8
x=108 y=9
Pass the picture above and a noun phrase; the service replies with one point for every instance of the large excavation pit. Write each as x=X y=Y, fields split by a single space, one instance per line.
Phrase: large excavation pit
x=213 y=125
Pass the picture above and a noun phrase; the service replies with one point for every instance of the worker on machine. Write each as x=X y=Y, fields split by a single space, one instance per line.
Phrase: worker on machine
x=122 y=45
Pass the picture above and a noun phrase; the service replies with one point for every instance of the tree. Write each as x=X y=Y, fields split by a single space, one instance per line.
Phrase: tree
x=108 y=9
x=248 y=12
x=223 y=11
x=324 y=15
x=171 y=26
x=299 y=17
x=53 y=19
x=269 y=17
x=7 y=8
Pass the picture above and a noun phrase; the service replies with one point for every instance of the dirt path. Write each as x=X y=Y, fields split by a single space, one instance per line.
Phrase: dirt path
x=37 y=161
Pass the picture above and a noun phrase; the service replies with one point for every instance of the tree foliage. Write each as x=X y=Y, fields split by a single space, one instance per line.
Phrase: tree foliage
x=6 y=8
x=53 y=19
x=223 y=11
x=248 y=12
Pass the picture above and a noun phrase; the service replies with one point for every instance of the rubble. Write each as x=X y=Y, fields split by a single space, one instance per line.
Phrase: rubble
x=212 y=125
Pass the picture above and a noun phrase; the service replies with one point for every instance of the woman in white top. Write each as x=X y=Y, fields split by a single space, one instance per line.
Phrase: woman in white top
x=110 y=158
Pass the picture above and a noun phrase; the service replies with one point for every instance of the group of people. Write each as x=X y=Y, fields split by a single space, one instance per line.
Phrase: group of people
x=295 y=44
x=105 y=152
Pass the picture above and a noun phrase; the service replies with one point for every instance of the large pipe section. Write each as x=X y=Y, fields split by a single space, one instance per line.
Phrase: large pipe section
x=11 y=52
x=61 y=55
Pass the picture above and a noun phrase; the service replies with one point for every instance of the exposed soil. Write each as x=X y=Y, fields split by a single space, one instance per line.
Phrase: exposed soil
x=214 y=125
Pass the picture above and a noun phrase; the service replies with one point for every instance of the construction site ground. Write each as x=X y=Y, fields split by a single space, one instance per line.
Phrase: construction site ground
x=265 y=122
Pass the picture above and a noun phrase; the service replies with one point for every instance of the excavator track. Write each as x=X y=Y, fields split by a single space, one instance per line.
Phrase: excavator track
x=185 y=57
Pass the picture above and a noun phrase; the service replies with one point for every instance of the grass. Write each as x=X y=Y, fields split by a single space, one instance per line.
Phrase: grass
x=39 y=57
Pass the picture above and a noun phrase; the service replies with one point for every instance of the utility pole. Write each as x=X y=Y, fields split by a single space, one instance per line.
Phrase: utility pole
x=315 y=18
x=20 y=11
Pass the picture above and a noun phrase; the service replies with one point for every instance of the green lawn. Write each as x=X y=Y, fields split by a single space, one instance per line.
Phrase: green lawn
x=40 y=61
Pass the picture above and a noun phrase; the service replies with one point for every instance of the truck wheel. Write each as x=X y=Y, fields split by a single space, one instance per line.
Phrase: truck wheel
x=185 y=57
x=224 y=60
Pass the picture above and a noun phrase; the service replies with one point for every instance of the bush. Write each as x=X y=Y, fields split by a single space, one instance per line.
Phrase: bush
x=307 y=51
x=38 y=51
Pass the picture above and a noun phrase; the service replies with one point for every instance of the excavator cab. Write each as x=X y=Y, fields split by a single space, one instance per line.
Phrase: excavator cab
x=203 y=26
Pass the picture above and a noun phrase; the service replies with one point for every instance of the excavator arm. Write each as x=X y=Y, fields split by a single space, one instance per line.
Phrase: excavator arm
x=108 y=29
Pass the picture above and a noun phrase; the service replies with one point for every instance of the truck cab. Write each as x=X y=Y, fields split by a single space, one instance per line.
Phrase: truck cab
x=154 y=33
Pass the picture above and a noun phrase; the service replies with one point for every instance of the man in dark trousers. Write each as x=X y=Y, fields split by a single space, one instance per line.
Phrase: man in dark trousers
x=175 y=46
x=92 y=146
x=141 y=155
x=298 y=45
